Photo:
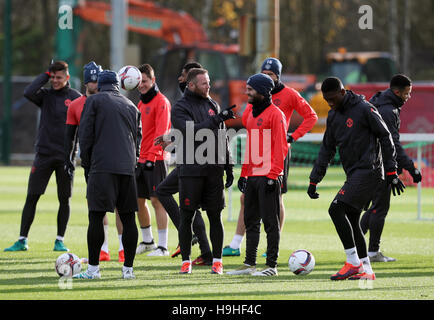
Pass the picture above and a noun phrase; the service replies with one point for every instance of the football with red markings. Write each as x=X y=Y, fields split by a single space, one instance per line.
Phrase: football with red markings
x=130 y=77
x=67 y=265
x=301 y=262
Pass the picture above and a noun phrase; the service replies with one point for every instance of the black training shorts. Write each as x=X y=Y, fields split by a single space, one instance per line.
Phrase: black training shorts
x=359 y=189
x=148 y=180
x=206 y=192
x=42 y=169
x=107 y=191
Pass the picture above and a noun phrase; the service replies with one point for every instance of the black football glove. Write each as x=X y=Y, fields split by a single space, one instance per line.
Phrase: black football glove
x=416 y=175
x=229 y=176
x=69 y=169
x=271 y=185
x=149 y=165
x=50 y=66
x=311 y=191
x=86 y=173
x=396 y=184
x=242 y=183
x=289 y=138
x=227 y=113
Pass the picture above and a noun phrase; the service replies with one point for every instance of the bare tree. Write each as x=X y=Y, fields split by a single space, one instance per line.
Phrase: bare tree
x=406 y=50
x=393 y=29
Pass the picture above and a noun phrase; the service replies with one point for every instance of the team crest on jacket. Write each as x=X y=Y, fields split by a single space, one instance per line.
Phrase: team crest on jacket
x=147 y=109
x=350 y=122
x=211 y=112
x=68 y=102
x=277 y=102
x=259 y=123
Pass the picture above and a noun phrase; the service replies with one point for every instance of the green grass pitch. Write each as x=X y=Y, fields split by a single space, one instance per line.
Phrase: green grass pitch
x=30 y=275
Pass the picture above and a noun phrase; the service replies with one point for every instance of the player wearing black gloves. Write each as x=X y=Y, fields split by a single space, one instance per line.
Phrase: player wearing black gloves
x=201 y=182
x=261 y=179
x=389 y=104
x=153 y=162
x=357 y=129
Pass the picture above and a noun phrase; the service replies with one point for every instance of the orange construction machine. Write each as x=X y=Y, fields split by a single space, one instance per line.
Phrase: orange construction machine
x=351 y=68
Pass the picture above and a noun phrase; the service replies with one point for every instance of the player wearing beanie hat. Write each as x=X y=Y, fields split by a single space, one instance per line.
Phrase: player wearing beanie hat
x=107 y=77
x=90 y=80
x=260 y=180
x=90 y=72
x=262 y=83
x=110 y=119
x=288 y=100
x=273 y=65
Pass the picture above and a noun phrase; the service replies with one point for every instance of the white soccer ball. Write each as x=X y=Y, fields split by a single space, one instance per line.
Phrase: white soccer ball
x=67 y=265
x=301 y=262
x=130 y=77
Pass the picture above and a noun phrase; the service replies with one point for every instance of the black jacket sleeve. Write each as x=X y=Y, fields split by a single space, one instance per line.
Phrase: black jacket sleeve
x=380 y=130
x=139 y=135
x=86 y=132
x=34 y=91
x=180 y=115
x=326 y=154
x=391 y=118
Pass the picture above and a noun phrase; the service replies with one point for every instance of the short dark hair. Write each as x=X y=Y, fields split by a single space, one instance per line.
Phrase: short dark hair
x=190 y=65
x=400 y=82
x=193 y=73
x=147 y=69
x=59 y=66
x=331 y=84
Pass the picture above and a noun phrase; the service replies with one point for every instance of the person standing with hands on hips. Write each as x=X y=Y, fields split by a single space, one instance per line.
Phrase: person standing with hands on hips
x=288 y=100
x=389 y=104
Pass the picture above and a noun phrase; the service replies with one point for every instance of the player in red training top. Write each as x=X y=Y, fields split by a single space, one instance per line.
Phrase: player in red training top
x=288 y=100
x=90 y=78
x=152 y=166
x=260 y=180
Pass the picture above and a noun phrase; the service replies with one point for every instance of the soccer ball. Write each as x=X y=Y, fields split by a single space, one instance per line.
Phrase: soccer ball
x=301 y=262
x=67 y=265
x=130 y=77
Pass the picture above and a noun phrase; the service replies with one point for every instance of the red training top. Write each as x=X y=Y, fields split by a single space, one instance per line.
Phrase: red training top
x=266 y=146
x=288 y=100
x=74 y=111
x=155 y=122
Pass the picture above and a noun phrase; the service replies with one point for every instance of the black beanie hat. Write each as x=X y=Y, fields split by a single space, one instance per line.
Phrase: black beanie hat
x=273 y=65
x=262 y=83
x=107 y=77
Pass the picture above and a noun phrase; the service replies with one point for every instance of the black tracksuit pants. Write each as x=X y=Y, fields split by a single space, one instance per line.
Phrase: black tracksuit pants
x=165 y=191
x=260 y=204
x=95 y=236
x=374 y=219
